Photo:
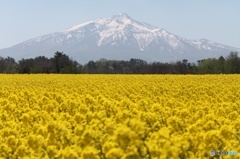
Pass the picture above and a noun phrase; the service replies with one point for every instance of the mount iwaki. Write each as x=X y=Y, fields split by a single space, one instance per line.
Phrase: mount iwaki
x=118 y=38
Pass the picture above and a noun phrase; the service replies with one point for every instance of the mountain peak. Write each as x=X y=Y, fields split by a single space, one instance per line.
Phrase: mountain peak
x=121 y=18
x=122 y=15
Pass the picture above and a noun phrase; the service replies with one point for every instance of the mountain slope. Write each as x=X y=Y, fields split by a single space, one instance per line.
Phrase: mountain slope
x=119 y=37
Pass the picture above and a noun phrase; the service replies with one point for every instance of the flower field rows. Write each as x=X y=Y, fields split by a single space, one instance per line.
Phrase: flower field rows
x=119 y=116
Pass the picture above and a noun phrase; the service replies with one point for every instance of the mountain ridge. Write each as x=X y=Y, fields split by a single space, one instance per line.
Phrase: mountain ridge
x=118 y=38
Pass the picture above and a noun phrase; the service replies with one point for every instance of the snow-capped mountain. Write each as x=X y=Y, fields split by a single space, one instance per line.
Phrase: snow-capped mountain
x=121 y=38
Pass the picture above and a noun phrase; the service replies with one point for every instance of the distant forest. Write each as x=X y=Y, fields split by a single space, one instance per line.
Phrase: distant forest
x=60 y=63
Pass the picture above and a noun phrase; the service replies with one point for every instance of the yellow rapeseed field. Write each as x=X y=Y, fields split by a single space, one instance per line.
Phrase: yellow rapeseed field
x=119 y=116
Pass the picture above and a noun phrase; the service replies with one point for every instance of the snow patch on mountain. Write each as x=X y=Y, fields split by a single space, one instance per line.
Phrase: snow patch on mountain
x=79 y=26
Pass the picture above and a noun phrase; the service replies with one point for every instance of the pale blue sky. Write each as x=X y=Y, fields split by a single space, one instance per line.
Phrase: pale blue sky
x=216 y=20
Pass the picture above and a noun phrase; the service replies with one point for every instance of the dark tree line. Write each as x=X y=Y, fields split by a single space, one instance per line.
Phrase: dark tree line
x=137 y=66
x=61 y=63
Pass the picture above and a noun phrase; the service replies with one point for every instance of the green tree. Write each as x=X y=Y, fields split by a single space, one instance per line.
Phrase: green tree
x=233 y=63
x=25 y=65
x=208 y=66
x=63 y=64
x=221 y=64
x=8 y=65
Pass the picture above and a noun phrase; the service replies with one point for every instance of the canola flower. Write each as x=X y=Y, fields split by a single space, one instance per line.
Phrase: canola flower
x=119 y=116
